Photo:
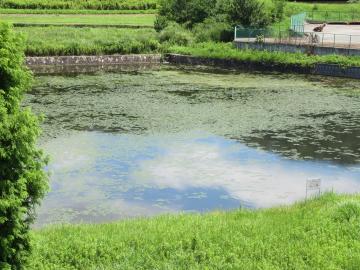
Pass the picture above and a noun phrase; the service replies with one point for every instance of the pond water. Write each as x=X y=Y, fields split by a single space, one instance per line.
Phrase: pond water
x=150 y=141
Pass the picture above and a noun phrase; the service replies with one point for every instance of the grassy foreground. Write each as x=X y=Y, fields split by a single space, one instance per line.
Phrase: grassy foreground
x=319 y=234
x=228 y=51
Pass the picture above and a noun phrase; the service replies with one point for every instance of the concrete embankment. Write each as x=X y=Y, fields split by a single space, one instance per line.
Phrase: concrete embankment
x=59 y=64
x=318 y=69
x=90 y=63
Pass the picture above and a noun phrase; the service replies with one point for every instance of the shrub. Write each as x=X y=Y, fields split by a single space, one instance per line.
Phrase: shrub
x=212 y=30
x=278 y=10
x=176 y=34
x=250 y=13
x=22 y=179
x=186 y=12
x=160 y=23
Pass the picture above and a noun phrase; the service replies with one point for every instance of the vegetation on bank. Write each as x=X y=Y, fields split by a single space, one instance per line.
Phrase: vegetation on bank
x=45 y=41
x=22 y=179
x=322 y=233
x=228 y=51
x=95 y=19
x=79 y=4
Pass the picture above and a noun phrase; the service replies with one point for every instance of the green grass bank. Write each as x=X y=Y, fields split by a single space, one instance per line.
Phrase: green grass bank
x=228 y=51
x=53 y=41
x=322 y=233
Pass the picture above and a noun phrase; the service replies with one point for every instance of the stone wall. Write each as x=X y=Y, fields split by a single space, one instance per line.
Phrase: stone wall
x=93 y=60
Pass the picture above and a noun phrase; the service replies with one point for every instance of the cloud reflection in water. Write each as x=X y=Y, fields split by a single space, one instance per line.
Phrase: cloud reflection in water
x=98 y=177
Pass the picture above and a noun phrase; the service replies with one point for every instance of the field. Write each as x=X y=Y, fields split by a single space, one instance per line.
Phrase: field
x=79 y=4
x=65 y=19
x=43 y=41
x=76 y=11
x=318 y=234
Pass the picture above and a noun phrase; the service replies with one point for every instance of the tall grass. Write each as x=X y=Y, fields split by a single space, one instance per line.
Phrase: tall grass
x=43 y=41
x=319 y=234
x=79 y=4
x=228 y=51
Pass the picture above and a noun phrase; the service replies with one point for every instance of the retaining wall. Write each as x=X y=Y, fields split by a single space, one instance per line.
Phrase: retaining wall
x=61 y=64
x=93 y=60
x=319 y=69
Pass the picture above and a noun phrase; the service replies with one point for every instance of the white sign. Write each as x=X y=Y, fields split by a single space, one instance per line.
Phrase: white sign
x=313 y=184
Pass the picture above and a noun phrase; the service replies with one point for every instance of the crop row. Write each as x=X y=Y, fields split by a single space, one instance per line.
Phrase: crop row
x=80 y=4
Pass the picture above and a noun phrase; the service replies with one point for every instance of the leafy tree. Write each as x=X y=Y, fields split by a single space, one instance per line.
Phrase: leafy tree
x=187 y=12
x=250 y=13
x=22 y=180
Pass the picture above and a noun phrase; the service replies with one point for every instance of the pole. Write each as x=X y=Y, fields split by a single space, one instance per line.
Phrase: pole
x=350 y=42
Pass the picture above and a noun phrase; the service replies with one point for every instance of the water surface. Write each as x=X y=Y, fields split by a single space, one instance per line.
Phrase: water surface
x=145 y=142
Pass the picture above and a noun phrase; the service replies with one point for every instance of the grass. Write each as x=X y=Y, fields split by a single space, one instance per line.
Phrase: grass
x=63 y=19
x=298 y=7
x=76 y=11
x=79 y=4
x=43 y=41
x=319 y=234
x=228 y=51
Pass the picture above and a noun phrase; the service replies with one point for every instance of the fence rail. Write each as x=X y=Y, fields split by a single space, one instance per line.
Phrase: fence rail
x=297 y=38
x=333 y=16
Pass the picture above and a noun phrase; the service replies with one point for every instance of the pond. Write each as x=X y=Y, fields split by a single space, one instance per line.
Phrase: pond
x=169 y=139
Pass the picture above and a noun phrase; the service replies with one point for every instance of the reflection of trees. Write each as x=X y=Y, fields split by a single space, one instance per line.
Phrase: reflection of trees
x=338 y=141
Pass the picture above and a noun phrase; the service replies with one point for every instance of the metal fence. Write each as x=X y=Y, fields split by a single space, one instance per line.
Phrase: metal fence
x=289 y=36
x=298 y=22
x=333 y=16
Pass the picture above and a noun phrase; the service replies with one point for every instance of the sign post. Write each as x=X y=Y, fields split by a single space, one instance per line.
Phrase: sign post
x=313 y=185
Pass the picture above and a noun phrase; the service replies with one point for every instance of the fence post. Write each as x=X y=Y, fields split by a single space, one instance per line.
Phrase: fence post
x=322 y=40
x=350 y=42
x=235 y=33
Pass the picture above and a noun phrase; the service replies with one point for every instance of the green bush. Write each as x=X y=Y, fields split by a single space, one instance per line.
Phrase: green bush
x=186 y=12
x=22 y=179
x=160 y=23
x=176 y=34
x=250 y=13
x=212 y=30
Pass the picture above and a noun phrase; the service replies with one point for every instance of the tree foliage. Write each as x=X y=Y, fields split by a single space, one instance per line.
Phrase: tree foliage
x=250 y=13
x=254 y=13
x=22 y=179
x=187 y=12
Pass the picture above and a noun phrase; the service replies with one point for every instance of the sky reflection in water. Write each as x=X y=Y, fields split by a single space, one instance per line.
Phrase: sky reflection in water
x=99 y=177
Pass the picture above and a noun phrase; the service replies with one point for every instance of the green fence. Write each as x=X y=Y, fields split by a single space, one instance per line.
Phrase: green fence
x=243 y=32
x=298 y=22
